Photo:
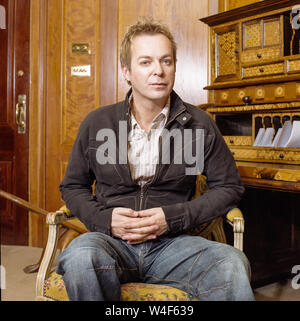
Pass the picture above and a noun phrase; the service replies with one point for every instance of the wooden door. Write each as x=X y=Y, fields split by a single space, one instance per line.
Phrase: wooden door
x=14 y=97
x=69 y=95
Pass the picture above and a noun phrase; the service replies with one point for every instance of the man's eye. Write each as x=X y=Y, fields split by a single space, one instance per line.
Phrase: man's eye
x=145 y=62
x=167 y=61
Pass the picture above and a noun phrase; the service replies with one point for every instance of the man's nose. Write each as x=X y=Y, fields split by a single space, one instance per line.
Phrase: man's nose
x=158 y=70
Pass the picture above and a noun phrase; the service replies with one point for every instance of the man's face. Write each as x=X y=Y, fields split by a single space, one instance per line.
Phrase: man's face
x=152 y=72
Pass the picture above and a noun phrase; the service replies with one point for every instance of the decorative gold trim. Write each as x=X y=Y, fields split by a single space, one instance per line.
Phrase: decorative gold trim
x=254 y=107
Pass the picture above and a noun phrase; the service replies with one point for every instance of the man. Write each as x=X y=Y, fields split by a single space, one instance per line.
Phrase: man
x=141 y=207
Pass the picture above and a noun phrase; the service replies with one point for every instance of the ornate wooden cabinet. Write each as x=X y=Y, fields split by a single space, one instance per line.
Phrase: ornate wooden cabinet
x=255 y=85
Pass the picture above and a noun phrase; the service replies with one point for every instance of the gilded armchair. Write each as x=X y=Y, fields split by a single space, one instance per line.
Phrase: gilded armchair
x=50 y=286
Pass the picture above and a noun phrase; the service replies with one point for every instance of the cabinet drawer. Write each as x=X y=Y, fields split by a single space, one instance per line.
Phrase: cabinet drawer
x=257 y=55
x=266 y=154
x=263 y=70
x=293 y=66
x=238 y=140
x=282 y=155
x=243 y=153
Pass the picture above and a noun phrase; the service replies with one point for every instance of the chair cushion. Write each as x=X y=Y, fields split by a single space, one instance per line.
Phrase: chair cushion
x=54 y=288
x=152 y=292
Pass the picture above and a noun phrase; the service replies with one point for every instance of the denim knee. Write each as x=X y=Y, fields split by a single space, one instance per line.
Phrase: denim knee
x=89 y=269
x=237 y=261
x=87 y=251
x=232 y=260
x=90 y=239
x=227 y=277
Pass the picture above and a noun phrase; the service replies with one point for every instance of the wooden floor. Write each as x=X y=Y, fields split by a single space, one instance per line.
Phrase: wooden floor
x=20 y=286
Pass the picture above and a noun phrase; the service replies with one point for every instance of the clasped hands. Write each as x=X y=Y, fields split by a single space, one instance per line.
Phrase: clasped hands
x=138 y=226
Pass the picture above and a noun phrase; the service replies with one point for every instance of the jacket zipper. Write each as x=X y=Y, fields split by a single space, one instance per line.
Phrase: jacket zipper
x=144 y=188
x=141 y=198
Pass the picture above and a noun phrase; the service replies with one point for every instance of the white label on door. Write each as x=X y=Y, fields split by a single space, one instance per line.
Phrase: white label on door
x=81 y=71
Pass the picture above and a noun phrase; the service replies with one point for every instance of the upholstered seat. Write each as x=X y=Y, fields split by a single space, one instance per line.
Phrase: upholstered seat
x=50 y=285
x=54 y=288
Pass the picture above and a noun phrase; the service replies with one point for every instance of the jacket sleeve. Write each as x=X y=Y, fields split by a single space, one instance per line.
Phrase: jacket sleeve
x=225 y=187
x=76 y=187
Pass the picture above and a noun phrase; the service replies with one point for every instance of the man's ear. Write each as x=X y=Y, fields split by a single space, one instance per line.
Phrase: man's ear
x=126 y=73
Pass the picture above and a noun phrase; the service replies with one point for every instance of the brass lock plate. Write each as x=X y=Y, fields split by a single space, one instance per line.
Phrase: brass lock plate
x=81 y=48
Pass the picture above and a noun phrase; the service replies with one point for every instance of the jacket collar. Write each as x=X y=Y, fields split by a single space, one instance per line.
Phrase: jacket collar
x=177 y=112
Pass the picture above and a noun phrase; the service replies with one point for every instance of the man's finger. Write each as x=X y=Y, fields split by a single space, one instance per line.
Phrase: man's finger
x=142 y=230
x=148 y=238
x=138 y=223
x=145 y=213
x=134 y=237
x=125 y=211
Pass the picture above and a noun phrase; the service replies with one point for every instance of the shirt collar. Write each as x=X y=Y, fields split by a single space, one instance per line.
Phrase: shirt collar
x=161 y=117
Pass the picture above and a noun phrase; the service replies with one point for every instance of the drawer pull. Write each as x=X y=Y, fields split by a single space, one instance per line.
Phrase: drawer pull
x=247 y=100
x=259 y=55
x=281 y=156
x=261 y=69
x=231 y=141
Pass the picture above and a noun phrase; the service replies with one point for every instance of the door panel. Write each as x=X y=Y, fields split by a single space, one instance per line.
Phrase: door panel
x=14 y=70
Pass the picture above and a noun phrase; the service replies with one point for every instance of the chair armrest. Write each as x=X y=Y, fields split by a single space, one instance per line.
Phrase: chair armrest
x=66 y=220
x=234 y=213
x=66 y=211
x=236 y=219
x=20 y=202
x=58 y=217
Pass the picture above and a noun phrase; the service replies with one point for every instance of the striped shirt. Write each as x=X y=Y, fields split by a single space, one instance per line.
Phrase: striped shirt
x=143 y=147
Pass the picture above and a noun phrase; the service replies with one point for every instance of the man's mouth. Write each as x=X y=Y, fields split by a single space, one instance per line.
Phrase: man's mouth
x=159 y=84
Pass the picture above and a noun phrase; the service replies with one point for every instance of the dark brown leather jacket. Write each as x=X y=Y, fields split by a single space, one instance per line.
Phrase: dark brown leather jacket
x=170 y=188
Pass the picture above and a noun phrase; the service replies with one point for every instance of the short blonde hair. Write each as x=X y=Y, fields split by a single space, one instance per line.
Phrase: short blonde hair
x=148 y=26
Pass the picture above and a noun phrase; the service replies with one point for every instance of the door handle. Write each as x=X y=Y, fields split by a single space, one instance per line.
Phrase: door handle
x=21 y=114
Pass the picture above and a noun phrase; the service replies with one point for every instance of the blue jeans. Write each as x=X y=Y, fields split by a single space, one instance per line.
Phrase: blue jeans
x=94 y=265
